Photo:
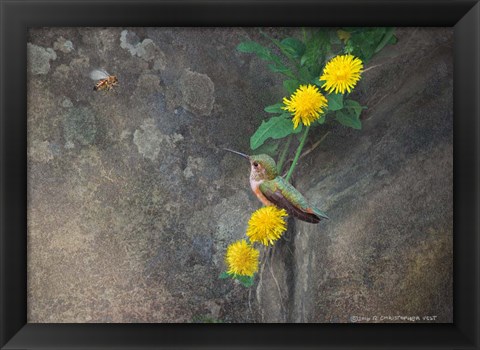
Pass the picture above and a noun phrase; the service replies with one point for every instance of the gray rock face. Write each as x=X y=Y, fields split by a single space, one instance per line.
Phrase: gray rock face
x=132 y=203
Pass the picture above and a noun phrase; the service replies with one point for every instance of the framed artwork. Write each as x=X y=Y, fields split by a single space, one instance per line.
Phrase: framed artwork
x=127 y=222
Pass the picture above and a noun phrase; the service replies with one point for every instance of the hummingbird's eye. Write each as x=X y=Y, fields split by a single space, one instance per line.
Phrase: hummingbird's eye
x=255 y=164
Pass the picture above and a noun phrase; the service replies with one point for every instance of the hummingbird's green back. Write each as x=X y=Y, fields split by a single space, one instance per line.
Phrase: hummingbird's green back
x=281 y=193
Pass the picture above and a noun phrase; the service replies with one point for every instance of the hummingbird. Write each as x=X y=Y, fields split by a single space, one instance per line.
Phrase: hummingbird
x=272 y=189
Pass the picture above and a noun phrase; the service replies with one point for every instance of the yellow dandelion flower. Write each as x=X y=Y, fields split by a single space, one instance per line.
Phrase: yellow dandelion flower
x=342 y=73
x=343 y=35
x=266 y=225
x=306 y=104
x=242 y=259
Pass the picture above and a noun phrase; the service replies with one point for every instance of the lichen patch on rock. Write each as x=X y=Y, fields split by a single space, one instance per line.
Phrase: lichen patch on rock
x=64 y=45
x=146 y=49
x=151 y=142
x=40 y=151
x=80 y=127
x=198 y=92
x=38 y=58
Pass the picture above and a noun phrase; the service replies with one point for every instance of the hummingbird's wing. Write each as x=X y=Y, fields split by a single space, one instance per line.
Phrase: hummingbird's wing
x=284 y=195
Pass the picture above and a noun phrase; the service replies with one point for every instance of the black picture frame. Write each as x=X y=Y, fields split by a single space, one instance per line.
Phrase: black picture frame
x=18 y=16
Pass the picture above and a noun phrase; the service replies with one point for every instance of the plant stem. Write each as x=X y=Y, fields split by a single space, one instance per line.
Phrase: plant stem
x=297 y=154
x=310 y=150
x=281 y=161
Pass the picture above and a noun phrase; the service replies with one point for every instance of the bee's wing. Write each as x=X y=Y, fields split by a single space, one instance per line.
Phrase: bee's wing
x=98 y=74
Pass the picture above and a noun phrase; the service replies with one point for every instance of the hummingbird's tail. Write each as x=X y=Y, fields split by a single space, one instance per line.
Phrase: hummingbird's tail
x=320 y=213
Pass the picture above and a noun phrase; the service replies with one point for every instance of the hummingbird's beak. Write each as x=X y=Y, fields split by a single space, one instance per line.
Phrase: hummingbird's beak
x=240 y=154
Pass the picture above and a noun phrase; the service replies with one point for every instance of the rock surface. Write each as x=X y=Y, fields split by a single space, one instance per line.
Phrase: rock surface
x=132 y=203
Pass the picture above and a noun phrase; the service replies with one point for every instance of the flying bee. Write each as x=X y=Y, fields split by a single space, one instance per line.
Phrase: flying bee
x=105 y=80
